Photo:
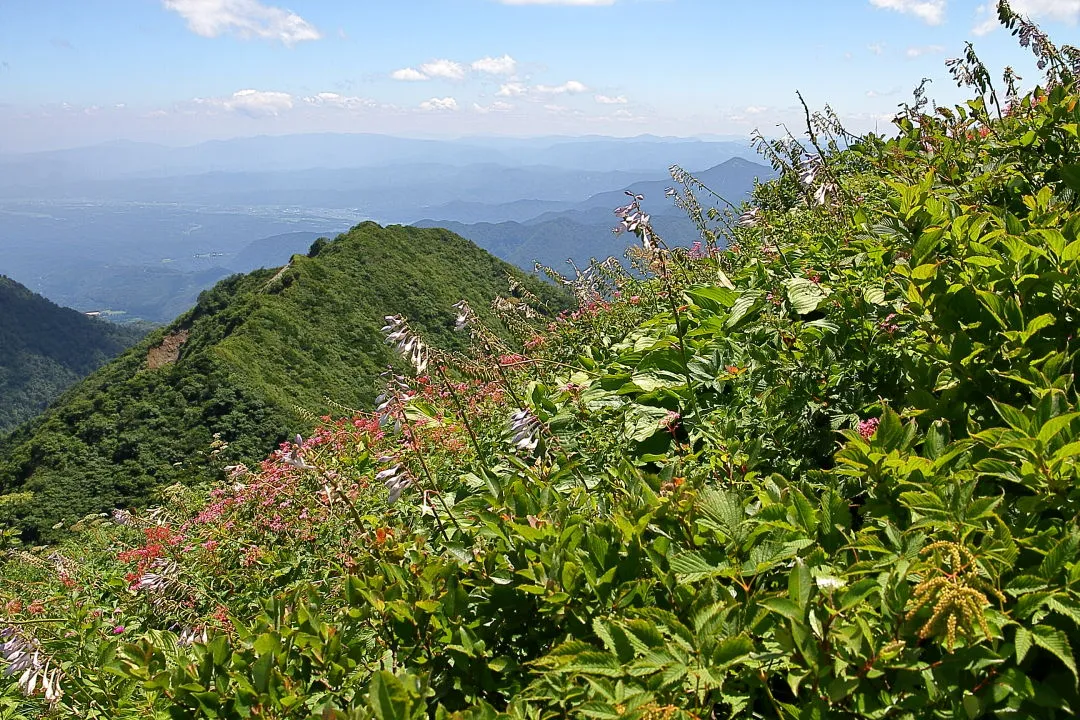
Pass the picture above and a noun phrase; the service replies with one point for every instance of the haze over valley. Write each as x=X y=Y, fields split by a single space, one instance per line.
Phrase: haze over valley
x=136 y=231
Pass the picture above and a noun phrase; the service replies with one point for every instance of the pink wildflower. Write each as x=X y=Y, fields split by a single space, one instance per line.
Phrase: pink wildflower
x=868 y=427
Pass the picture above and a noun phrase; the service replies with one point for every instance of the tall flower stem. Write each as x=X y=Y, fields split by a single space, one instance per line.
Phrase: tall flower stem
x=680 y=331
x=430 y=478
x=461 y=412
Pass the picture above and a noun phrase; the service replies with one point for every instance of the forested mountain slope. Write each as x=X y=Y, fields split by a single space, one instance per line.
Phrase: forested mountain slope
x=257 y=354
x=45 y=348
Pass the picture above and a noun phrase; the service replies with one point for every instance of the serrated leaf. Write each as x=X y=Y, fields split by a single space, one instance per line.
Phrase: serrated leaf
x=593 y=663
x=691 y=567
x=1063 y=605
x=1056 y=643
x=1023 y=644
x=1055 y=560
x=732 y=649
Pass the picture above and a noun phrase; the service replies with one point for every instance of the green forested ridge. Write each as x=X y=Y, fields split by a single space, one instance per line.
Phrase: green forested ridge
x=45 y=348
x=264 y=351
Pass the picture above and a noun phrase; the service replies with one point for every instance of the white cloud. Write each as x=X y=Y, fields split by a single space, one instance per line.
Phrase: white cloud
x=754 y=109
x=244 y=18
x=447 y=69
x=557 y=2
x=408 y=74
x=513 y=89
x=932 y=12
x=571 y=87
x=608 y=100
x=914 y=52
x=504 y=65
x=497 y=106
x=446 y=103
x=1065 y=11
x=876 y=48
x=253 y=103
x=329 y=99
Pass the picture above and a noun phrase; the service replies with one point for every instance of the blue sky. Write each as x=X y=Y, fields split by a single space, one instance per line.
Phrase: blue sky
x=75 y=72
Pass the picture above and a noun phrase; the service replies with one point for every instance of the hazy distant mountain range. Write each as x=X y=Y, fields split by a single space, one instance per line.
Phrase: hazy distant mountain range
x=142 y=229
x=335 y=151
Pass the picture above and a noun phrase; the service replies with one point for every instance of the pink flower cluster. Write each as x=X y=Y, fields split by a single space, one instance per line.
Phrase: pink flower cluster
x=868 y=427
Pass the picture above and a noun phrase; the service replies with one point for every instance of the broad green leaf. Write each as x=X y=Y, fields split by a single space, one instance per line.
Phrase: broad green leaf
x=1015 y=418
x=804 y=295
x=746 y=303
x=387 y=697
x=1055 y=425
x=924 y=273
x=800 y=584
x=874 y=295
x=713 y=298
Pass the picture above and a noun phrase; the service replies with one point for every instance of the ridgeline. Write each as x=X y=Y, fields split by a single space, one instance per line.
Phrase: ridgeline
x=252 y=363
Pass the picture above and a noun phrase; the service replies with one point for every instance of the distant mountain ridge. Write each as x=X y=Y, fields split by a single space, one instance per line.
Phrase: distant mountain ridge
x=45 y=348
x=349 y=150
x=583 y=230
x=257 y=355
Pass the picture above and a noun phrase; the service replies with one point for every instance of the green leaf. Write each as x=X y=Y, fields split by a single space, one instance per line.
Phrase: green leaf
x=784 y=607
x=713 y=298
x=691 y=567
x=1070 y=176
x=1055 y=425
x=732 y=649
x=1015 y=418
x=1055 y=560
x=643 y=421
x=972 y=706
x=747 y=302
x=1023 y=643
x=593 y=663
x=799 y=584
x=1056 y=642
x=387 y=697
x=804 y=295
x=1064 y=605
x=874 y=295
x=924 y=273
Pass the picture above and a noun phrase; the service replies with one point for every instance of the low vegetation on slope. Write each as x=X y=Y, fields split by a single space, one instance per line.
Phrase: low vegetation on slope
x=44 y=349
x=255 y=359
x=829 y=472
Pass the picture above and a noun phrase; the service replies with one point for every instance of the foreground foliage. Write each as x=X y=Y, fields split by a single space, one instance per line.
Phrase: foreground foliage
x=830 y=471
